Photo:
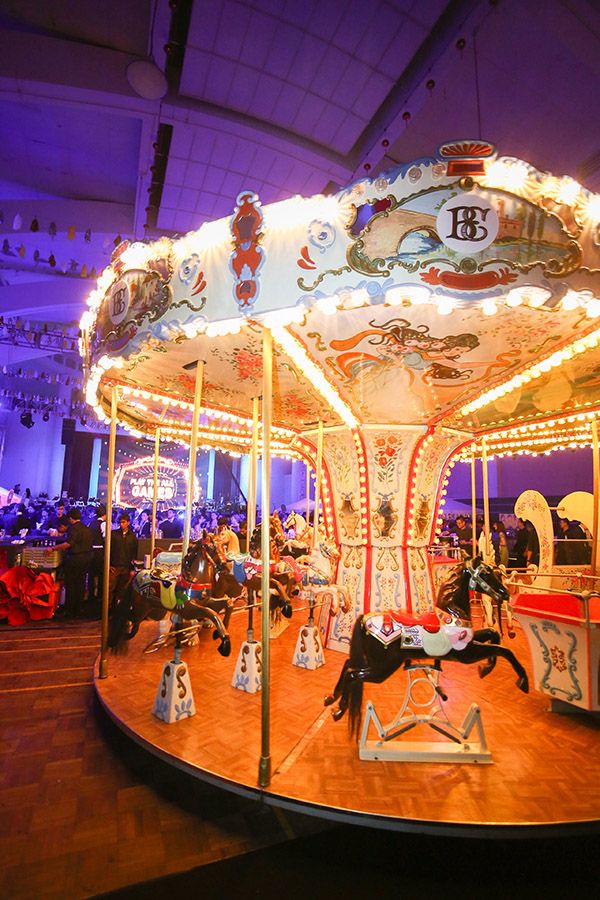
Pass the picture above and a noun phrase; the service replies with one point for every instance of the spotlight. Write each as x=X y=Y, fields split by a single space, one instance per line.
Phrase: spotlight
x=27 y=420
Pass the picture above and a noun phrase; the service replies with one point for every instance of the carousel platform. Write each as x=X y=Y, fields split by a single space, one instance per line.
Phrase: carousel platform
x=545 y=771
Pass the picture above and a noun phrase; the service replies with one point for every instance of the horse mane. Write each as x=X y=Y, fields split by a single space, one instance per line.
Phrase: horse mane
x=448 y=588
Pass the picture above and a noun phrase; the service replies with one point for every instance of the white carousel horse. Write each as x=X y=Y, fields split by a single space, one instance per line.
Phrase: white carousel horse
x=302 y=534
x=318 y=581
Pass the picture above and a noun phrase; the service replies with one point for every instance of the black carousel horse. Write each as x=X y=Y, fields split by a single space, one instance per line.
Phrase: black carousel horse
x=205 y=590
x=381 y=643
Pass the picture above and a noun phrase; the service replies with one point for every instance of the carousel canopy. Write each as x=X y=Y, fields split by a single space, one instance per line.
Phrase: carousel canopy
x=460 y=290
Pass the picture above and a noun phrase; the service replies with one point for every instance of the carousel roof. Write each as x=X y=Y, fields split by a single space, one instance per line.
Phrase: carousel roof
x=460 y=290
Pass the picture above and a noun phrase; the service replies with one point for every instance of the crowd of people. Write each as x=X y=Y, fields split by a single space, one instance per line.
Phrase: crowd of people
x=519 y=547
x=78 y=529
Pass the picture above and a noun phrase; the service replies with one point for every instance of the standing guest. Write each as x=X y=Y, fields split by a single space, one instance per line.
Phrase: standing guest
x=78 y=547
x=500 y=542
x=464 y=534
x=243 y=535
x=532 y=551
x=43 y=521
x=98 y=529
x=520 y=545
x=123 y=551
x=59 y=513
x=170 y=527
x=144 y=525
x=22 y=522
x=568 y=554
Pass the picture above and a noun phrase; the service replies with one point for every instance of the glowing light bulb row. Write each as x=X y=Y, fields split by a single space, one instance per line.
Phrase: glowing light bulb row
x=538 y=369
x=314 y=375
x=362 y=487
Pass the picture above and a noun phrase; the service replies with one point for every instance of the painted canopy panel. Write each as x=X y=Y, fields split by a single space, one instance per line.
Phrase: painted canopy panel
x=408 y=365
x=232 y=377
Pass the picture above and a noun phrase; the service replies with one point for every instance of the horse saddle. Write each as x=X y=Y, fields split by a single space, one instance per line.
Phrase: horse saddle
x=168 y=561
x=395 y=625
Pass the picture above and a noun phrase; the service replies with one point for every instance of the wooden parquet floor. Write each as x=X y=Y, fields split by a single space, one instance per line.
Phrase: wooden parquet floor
x=545 y=771
x=82 y=809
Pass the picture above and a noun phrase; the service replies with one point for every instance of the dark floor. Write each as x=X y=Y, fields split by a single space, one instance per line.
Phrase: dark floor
x=353 y=862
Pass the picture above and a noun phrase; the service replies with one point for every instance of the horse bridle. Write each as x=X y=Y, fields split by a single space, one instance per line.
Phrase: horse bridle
x=477 y=581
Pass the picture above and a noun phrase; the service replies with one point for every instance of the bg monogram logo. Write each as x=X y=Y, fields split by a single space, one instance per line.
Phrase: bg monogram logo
x=467 y=223
x=118 y=303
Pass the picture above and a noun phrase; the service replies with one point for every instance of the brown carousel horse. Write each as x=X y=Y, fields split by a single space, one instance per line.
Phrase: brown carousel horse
x=205 y=591
x=382 y=642
x=282 y=581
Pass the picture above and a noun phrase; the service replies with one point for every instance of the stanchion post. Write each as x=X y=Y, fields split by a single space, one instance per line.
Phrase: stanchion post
x=596 y=512
x=264 y=769
x=252 y=471
x=189 y=497
x=251 y=516
x=307 y=493
x=318 y=476
x=473 y=505
x=486 y=498
x=154 y=491
x=112 y=441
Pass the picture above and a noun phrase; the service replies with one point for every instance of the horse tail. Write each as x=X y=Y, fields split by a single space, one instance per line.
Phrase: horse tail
x=117 y=628
x=353 y=688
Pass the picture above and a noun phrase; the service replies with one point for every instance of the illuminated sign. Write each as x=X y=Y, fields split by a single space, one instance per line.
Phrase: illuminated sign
x=134 y=483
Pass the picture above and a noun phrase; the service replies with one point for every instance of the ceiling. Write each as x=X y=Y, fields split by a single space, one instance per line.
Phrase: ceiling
x=267 y=95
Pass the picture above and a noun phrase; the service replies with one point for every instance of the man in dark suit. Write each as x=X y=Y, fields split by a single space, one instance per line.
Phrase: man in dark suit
x=170 y=527
x=78 y=547
x=123 y=551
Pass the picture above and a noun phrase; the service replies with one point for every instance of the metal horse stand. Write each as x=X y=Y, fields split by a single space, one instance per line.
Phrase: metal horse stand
x=247 y=675
x=174 y=698
x=457 y=748
x=309 y=647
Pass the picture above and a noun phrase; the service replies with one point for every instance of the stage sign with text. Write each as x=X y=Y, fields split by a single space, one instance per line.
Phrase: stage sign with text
x=134 y=483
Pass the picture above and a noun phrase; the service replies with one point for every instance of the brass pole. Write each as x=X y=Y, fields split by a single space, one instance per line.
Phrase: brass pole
x=307 y=493
x=189 y=496
x=596 y=516
x=473 y=505
x=318 y=476
x=112 y=442
x=486 y=497
x=264 y=769
x=154 y=492
x=252 y=473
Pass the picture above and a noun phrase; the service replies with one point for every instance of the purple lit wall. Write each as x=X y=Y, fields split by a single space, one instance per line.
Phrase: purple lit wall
x=32 y=457
x=557 y=474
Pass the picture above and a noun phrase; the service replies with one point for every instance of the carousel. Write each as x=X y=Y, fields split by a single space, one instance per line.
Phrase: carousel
x=446 y=310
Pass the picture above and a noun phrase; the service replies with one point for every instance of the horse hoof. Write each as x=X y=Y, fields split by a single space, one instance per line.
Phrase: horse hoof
x=224 y=647
x=523 y=684
x=512 y=634
x=286 y=610
x=329 y=699
x=337 y=715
